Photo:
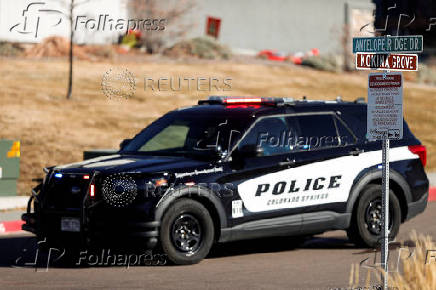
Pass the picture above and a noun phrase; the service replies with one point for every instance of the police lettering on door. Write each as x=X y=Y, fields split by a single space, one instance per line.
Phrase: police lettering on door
x=287 y=190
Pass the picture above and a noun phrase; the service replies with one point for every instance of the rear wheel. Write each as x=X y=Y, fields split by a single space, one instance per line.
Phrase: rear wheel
x=187 y=232
x=366 y=223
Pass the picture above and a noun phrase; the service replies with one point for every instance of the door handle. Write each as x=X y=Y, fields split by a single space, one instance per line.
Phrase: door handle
x=355 y=152
x=287 y=162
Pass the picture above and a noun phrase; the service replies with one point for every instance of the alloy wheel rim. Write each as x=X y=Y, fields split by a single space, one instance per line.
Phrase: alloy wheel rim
x=186 y=234
x=373 y=217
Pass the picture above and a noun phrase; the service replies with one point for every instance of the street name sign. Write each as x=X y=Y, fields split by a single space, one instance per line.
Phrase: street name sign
x=388 y=44
x=385 y=106
x=382 y=61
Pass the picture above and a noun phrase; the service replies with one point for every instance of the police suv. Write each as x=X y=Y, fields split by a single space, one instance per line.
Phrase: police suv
x=233 y=168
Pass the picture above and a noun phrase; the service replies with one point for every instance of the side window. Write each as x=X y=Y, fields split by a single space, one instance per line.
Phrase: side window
x=345 y=135
x=317 y=132
x=268 y=133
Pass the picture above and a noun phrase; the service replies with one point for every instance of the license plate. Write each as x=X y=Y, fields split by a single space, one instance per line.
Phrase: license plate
x=70 y=225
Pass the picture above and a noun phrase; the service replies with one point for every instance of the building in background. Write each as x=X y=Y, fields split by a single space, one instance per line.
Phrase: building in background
x=246 y=26
x=249 y=26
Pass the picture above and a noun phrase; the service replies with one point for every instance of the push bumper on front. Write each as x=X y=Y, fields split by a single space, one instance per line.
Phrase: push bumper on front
x=94 y=229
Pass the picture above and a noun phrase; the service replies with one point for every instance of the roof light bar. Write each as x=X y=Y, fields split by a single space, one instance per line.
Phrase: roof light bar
x=246 y=100
x=242 y=100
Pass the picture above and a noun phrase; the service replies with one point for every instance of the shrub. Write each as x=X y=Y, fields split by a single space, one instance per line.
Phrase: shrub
x=325 y=63
x=201 y=47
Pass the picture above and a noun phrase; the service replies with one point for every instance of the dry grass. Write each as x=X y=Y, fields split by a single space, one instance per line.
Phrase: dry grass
x=54 y=131
x=417 y=268
x=419 y=272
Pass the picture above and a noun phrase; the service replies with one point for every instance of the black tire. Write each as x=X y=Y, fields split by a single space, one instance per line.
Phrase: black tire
x=363 y=230
x=185 y=222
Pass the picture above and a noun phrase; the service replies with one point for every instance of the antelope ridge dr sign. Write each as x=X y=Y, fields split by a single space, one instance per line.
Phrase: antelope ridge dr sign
x=385 y=106
x=387 y=44
x=383 y=61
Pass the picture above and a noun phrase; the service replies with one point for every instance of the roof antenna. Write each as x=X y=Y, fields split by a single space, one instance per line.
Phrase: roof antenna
x=304 y=98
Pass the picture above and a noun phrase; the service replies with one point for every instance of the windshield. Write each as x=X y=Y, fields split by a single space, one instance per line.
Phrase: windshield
x=179 y=133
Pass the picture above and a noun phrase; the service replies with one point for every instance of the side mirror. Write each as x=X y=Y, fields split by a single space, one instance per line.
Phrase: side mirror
x=124 y=143
x=250 y=150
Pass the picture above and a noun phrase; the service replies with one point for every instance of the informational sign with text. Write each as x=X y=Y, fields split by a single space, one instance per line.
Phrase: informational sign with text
x=385 y=106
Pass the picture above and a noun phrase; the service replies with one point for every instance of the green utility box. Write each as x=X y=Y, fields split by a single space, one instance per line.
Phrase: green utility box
x=9 y=166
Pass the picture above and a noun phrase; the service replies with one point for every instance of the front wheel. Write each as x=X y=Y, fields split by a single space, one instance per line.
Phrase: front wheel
x=366 y=223
x=187 y=232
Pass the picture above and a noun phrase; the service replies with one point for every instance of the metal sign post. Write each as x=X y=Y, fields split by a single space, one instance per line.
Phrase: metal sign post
x=385 y=210
x=385 y=105
x=385 y=122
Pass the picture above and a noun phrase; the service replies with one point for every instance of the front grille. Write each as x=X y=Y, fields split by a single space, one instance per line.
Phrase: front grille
x=66 y=192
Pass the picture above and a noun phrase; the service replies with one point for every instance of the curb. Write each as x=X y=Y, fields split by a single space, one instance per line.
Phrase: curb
x=10 y=226
x=13 y=202
x=432 y=194
x=15 y=226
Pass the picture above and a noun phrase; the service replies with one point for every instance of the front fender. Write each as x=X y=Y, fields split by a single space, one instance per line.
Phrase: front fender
x=173 y=194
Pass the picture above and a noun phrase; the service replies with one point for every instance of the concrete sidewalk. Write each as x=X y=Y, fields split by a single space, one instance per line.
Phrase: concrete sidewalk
x=11 y=215
x=13 y=202
x=432 y=178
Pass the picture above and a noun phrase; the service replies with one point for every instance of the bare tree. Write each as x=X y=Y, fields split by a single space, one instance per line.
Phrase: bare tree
x=172 y=11
x=70 y=17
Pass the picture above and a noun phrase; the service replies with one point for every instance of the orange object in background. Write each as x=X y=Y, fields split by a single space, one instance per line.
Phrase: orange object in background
x=272 y=55
x=15 y=150
x=135 y=32
x=296 y=58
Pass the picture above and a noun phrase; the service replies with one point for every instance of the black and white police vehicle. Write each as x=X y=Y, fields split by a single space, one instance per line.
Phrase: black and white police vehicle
x=233 y=168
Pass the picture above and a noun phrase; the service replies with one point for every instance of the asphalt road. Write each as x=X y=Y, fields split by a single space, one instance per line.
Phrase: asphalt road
x=322 y=262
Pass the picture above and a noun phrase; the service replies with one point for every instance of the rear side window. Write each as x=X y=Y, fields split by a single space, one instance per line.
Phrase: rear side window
x=345 y=135
x=318 y=131
x=356 y=121
x=269 y=134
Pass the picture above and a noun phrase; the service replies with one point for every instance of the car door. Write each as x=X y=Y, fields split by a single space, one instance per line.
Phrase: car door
x=255 y=191
x=317 y=151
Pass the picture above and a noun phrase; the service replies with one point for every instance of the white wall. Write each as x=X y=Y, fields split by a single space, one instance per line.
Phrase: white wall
x=286 y=25
x=11 y=13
